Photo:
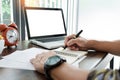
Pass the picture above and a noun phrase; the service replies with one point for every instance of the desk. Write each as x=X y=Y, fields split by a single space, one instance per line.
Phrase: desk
x=96 y=60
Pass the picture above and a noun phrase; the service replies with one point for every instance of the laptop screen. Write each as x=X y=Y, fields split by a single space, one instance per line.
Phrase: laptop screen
x=44 y=22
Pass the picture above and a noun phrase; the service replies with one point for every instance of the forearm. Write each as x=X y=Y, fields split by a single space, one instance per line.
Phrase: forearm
x=68 y=72
x=106 y=46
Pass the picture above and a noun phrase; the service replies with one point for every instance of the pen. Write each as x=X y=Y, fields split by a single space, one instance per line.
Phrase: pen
x=77 y=35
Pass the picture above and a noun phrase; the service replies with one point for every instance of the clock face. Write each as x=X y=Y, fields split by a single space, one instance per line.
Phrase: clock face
x=53 y=60
x=12 y=36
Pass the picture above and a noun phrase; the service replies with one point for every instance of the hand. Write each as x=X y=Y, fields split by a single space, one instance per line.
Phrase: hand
x=40 y=59
x=77 y=43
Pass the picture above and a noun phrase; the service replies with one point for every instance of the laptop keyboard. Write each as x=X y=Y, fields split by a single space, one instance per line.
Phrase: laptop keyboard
x=51 y=39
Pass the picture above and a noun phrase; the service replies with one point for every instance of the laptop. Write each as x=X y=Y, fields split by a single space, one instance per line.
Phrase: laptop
x=45 y=26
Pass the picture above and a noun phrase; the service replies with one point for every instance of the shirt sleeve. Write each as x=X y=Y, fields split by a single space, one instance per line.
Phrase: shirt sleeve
x=104 y=74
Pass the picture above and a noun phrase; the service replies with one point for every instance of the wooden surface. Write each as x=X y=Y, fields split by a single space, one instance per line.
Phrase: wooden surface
x=17 y=74
x=94 y=59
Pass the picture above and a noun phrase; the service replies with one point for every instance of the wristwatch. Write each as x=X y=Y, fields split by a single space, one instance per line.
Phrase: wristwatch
x=51 y=63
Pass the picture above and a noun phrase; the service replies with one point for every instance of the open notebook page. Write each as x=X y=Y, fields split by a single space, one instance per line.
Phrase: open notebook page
x=70 y=55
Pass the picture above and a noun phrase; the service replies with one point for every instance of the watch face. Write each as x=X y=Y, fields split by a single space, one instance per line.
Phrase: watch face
x=12 y=35
x=53 y=60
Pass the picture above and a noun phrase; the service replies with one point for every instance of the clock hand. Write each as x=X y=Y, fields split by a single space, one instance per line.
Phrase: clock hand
x=10 y=37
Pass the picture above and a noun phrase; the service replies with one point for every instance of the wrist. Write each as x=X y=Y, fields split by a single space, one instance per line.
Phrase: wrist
x=59 y=70
x=91 y=44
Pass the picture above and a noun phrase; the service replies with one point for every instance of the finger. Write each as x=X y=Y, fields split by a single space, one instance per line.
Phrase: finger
x=71 y=42
x=68 y=38
x=42 y=62
x=34 y=61
x=41 y=55
x=38 y=65
x=75 y=48
x=44 y=59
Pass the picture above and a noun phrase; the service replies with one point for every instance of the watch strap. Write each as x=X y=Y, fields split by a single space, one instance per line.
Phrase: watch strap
x=47 y=75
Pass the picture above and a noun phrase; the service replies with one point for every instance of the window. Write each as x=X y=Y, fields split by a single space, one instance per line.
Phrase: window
x=48 y=3
x=6 y=11
x=100 y=19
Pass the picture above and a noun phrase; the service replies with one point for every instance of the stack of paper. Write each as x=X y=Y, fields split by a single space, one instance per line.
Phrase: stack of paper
x=20 y=59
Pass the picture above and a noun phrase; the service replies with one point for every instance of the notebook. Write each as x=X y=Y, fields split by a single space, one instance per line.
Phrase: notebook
x=70 y=55
x=45 y=26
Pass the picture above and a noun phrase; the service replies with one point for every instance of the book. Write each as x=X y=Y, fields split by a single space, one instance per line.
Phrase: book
x=70 y=55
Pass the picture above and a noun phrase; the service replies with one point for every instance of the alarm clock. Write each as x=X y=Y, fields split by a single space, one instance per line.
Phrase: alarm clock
x=10 y=34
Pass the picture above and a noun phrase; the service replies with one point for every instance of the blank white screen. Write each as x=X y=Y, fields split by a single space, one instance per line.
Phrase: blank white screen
x=45 y=22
